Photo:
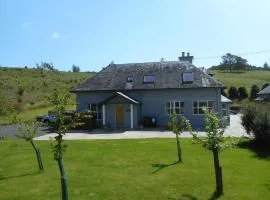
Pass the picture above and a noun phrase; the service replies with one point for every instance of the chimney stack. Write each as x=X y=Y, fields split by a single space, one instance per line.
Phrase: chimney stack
x=187 y=58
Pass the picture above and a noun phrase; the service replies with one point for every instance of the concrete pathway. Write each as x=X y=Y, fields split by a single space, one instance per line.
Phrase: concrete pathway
x=235 y=130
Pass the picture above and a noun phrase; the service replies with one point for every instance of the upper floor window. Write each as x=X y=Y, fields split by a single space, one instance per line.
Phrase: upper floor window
x=187 y=77
x=176 y=107
x=198 y=106
x=149 y=79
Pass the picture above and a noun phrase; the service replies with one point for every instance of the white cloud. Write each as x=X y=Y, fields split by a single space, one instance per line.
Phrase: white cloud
x=56 y=36
x=26 y=24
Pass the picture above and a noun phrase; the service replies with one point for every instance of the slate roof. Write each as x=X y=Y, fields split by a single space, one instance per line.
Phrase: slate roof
x=168 y=74
x=265 y=90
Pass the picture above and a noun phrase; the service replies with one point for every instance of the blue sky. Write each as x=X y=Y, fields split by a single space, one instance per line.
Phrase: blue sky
x=91 y=33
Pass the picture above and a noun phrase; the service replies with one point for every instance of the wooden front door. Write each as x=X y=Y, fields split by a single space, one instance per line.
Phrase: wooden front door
x=119 y=115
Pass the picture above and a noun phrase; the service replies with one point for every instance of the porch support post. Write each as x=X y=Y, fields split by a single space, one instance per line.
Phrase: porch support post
x=103 y=115
x=131 y=115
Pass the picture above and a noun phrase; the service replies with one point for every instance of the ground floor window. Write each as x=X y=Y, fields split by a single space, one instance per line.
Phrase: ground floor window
x=199 y=105
x=93 y=107
x=174 y=107
x=224 y=109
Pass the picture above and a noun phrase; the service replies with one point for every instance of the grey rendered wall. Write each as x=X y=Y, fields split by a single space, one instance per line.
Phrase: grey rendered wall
x=153 y=103
x=83 y=98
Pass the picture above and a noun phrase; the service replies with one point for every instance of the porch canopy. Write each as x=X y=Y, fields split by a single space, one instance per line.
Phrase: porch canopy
x=120 y=98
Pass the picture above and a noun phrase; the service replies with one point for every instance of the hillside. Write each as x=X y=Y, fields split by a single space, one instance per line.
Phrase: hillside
x=23 y=89
x=243 y=79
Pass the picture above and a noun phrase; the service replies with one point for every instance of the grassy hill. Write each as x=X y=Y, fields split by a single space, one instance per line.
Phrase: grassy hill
x=243 y=79
x=23 y=90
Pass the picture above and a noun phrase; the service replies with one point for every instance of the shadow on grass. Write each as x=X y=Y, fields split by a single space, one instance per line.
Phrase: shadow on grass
x=162 y=166
x=260 y=149
x=184 y=197
x=17 y=176
x=215 y=196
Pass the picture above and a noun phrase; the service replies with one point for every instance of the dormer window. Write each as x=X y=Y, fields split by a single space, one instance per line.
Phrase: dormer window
x=148 y=79
x=130 y=79
x=187 y=77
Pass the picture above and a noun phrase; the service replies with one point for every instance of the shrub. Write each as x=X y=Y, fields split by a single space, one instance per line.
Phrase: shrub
x=265 y=85
x=83 y=120
x=233 y=93
x=256 y=121
x=242 y=91
x=20 y=91
x=254 y=91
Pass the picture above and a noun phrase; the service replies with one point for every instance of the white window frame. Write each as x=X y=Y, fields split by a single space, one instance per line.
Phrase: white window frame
x=201 y=107
x=172 y=107
x=91 y=105
x=224 y=109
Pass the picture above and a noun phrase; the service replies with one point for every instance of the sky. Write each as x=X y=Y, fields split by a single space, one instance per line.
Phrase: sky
x=93 y=33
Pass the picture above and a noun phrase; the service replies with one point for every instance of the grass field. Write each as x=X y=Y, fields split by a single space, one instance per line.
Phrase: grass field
x=130 y=169
x=243 y=79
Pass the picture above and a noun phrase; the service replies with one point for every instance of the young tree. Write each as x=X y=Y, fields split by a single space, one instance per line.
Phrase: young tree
x=242 y=91
x=254 y=91
x=59 y=147
x=177 y=126
x=28 y=130
x=214 y=141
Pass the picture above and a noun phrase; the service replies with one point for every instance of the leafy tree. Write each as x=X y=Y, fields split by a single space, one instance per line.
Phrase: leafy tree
x=27 y=131
x=233 y=62
x=177 y=126
x=45 y=65
x=233 y=93
x=242 y=91
x=266 y=66
x=214 y=141
x=59 y=147
x=75 y=68
x=265 y=85
x=254 y=91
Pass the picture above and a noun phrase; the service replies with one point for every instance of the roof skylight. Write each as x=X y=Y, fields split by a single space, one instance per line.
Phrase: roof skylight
x=187 y=77
x=149 y=79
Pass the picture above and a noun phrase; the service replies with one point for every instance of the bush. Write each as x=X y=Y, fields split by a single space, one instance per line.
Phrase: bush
x=254 y=91
x=256 y=121
x=233 y=93
x=265 y=85
x=83 y=120
x=242 y=91
x=20 y=91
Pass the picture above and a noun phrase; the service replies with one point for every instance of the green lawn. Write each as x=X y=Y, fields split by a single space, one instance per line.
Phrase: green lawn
x=30 y=114
x=243 y=79
x=130 y=169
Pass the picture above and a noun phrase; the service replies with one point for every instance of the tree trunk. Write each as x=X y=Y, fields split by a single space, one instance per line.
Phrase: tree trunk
x=218 y=172
x=63 y=180
x=179 y=150
x=40 y=165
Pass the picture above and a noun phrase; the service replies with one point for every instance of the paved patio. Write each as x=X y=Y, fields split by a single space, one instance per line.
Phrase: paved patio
x=234 y=130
